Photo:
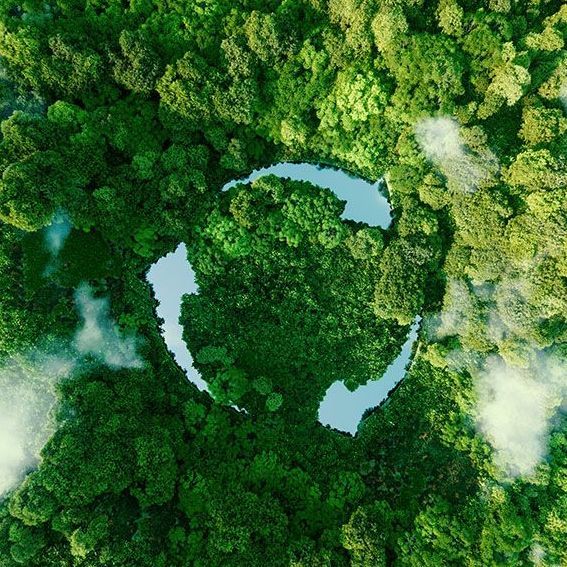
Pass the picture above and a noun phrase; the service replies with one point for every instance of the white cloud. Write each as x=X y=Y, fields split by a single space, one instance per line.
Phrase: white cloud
x=27 y=384
x=521 y=390
x=28 y=381
x=57 y=232
x=515 y=409
x=458 y=306
x=100 y=336
x=537 y=554
x=441 y=141
x=563 y=94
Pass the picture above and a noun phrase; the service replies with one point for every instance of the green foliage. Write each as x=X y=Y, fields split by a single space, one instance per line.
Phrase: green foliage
x=269 y=297
x=84 y=256
x=366 y=534
x=130 y=118
x=404 y=270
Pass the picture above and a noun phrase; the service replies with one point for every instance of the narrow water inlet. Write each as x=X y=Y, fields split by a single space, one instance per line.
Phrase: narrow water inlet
x=365 y=202
x=342 y=409
x=172 y=276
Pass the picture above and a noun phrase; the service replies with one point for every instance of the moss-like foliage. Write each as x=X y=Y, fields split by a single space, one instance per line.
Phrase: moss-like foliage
x=129 y=118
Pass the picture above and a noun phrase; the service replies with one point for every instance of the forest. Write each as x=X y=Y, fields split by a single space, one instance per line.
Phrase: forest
x=120 y=124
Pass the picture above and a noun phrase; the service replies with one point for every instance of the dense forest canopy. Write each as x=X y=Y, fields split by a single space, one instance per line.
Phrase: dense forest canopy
x=122 y=121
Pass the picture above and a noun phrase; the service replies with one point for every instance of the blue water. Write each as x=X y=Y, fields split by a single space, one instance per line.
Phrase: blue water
x=343 y=409
x=365 y=203
x=172 y=277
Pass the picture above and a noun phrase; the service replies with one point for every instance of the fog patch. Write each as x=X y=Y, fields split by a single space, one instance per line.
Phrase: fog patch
x=515 y=410
x=537 y=554
x=563 y=95
x=441 y=141
x=28 y=384
x=54 y=238
x=100 y=336
x=28 y=397
x=57 y=232
x=519 y=391
x=457 y=309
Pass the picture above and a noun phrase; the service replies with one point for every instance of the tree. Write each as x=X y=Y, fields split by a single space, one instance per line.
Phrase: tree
x=137 y=67
x=130 y=120
x=367 y=534
x=400 y=290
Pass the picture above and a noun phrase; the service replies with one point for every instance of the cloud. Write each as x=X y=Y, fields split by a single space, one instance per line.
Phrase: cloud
x=100 y=336
x=537 y=554
x=28 y=382
x=441 y=141
x=57 y=232
x=28 y=397
x=515 y=410
x=563 y=94
x=520 y=390
x=457 y=308
x=54 y=237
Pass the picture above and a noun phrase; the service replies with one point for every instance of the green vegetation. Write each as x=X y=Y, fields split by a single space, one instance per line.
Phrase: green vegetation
x=129 y=118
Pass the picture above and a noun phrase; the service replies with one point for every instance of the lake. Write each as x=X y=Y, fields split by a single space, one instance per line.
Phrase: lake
x=172 y=276
x=343 y=409
x=365 y=202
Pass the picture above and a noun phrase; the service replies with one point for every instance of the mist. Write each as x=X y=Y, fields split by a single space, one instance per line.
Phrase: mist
x=515 y=410
x=57 y=232
x=441 y=141
x=537 y=554
x=100 y=336
x=563 y=95
x=457 y=309
x=26 y=411
x=521 y=390
x=28 y=385
x=54 y=238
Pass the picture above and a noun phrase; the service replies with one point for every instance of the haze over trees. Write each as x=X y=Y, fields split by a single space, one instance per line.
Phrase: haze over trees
x=121 y=123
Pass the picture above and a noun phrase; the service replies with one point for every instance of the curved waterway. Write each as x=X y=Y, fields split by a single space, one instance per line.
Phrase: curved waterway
x=365 y=202
x=172 y=277
x=343 y=409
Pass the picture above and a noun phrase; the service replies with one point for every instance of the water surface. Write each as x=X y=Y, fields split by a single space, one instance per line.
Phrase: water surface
x=343 y=409
x=365 y=202
x=172 y=277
